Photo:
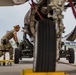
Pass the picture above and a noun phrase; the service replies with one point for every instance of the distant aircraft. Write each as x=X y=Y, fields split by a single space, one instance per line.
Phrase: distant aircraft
x=71 y=43
x=69 y=39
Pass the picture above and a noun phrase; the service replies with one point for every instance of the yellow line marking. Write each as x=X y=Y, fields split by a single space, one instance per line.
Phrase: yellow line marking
x=6 y=60
x=67 y=63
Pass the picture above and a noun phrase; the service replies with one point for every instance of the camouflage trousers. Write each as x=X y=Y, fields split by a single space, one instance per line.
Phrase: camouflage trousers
x=9 y=47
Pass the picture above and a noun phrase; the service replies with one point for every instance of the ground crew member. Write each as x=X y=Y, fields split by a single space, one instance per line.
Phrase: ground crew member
x=5 y=44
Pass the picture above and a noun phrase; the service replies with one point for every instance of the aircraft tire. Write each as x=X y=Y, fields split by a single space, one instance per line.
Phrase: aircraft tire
x=16 y=56
x=72 y=56
x=45 y=47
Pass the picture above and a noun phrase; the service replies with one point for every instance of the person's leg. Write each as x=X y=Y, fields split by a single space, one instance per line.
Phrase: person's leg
x=2 y=47
x=11 y=53
x=10 y=48
x=1 y=53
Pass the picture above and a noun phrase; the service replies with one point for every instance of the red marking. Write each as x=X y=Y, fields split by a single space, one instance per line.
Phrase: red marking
x=33 y=7
x=73 y=9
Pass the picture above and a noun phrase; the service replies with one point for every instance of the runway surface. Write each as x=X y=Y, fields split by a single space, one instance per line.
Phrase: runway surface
x=15 y=69
x=28 y=63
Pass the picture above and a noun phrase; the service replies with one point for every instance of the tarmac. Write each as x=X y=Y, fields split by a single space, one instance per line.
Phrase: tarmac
x=15 y=69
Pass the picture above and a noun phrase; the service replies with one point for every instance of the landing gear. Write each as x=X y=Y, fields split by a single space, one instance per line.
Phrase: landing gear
x=16 y=56
x=25 y=50
x=45 y=47
x=68 y=54
x=72 y=55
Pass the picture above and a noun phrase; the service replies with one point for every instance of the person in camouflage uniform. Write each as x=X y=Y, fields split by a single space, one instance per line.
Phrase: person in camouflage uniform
x=6 y=45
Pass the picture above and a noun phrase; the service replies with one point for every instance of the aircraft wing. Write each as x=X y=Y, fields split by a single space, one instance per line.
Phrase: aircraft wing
x=11 y=2
x=72 y=35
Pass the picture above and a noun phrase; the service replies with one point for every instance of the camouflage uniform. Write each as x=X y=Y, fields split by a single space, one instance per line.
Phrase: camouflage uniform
x=8 y=45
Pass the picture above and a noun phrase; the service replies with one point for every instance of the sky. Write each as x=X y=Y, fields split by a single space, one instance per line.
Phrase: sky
x=13 y=15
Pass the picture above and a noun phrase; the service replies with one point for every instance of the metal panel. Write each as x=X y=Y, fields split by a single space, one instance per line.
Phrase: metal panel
x=11 y=2
x=6 y=3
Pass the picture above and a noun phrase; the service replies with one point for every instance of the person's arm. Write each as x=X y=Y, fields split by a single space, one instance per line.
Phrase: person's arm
x=15 y=38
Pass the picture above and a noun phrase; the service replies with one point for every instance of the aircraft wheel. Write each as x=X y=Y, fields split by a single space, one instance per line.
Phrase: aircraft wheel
x=72 y=55
x=45 y=47
x=16 y=56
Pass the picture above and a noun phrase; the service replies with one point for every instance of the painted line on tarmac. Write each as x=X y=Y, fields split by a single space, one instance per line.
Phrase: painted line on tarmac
x=67 y=63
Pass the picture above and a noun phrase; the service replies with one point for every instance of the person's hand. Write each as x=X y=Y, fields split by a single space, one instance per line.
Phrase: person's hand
x=17 y=43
